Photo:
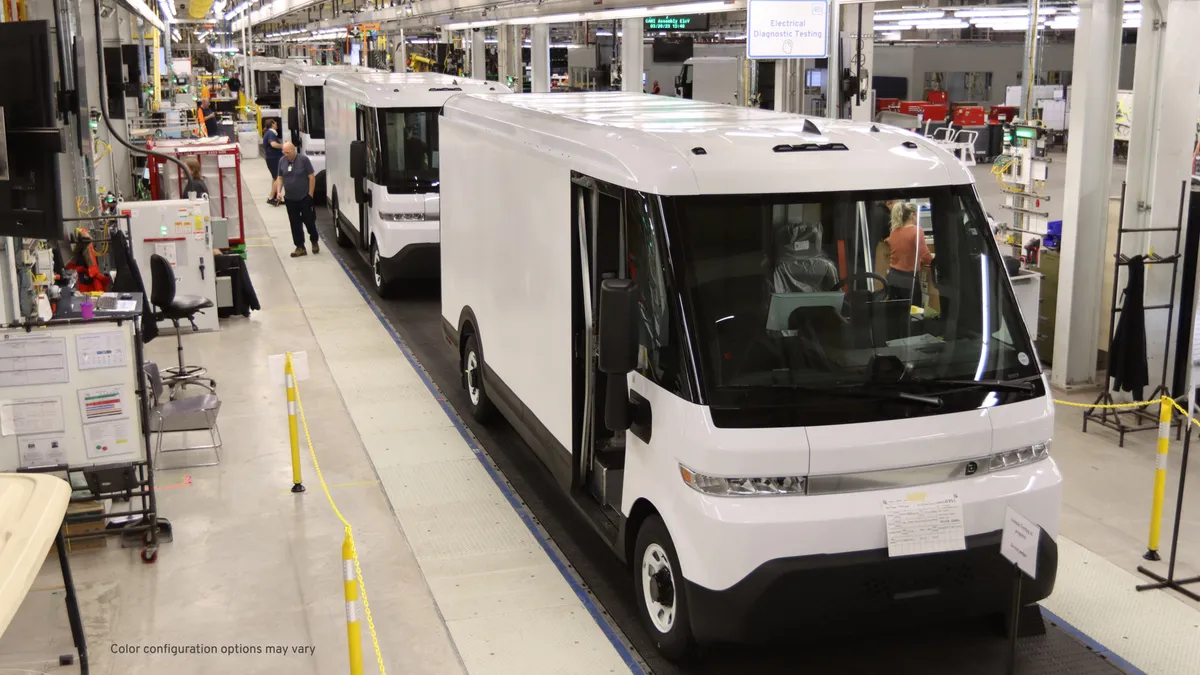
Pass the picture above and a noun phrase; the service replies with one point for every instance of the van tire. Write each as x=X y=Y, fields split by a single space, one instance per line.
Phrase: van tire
x=670 y=627
x=342 y=240
x=481 y=406
x=384 y=286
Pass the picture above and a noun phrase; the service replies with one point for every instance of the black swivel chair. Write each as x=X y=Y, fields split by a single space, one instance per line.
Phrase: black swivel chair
x=177 y=307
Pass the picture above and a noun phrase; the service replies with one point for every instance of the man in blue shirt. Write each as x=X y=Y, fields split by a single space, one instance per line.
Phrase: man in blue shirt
x=297 y=181
x=273 y=151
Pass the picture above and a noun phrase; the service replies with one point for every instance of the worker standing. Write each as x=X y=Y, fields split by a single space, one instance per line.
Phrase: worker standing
x=208 y=117
x=657 y=89
x=273 y=151
x=297 y=181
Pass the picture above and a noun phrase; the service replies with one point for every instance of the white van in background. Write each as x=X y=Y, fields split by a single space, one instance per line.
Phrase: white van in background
x=302 y=92
x=684 y=309
x=716 y=79
x=382 y=166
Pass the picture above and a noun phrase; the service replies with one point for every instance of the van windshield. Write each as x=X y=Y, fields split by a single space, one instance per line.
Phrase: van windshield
x=892 y=288
x=409 y=149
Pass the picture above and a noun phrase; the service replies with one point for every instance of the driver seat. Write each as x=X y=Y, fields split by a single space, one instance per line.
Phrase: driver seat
x=800 y=264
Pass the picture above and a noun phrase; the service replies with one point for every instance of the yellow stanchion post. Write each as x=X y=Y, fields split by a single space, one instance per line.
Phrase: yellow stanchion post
x=293 y=430
x=1165 y=406
x=353 y=631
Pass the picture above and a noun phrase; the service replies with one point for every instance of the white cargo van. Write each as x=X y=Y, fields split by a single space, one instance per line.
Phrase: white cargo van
x=382 y=158
x=267 y=91
x=685 y=309
x=716 y=79
x=302 y=91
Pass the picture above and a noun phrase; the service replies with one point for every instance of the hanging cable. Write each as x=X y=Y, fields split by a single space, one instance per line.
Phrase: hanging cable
x=104 y=102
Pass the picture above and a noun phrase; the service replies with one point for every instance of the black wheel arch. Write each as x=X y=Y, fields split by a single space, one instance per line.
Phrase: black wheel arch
x=641 y=510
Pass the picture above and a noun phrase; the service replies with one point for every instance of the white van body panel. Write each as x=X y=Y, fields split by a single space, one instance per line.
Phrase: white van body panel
x=304 y=75
x=507 y=241
x=720 y=540
x=344 y=94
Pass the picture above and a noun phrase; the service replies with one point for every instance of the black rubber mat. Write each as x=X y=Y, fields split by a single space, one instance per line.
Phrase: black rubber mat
x=955 y=648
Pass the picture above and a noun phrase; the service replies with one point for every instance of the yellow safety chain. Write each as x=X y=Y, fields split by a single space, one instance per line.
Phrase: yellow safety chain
x=362 y=585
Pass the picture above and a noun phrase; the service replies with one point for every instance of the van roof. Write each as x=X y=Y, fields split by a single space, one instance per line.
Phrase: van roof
x=315 y=76
x=406 y=90
x=673 y=146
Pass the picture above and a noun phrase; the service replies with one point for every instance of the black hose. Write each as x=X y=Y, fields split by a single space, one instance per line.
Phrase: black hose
x=104 y=103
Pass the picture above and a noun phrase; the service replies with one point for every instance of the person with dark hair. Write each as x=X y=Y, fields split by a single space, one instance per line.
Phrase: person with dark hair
x=208 y=117
x=273 y=148
x=195 y=182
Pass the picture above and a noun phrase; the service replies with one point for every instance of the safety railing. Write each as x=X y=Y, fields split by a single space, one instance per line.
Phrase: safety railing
x=353 y=582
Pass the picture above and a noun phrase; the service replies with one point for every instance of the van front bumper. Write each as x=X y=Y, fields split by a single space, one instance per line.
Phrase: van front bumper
x=850 y=591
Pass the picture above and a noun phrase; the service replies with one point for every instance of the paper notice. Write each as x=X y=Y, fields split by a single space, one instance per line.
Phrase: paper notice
x=226 y=161
x=1019 y=542
x=919 y=525
x=101 y=350
x=100 y=403
x=31 y=416
x=33 y=361
x=41 y=451
x=166 y=249
x=108 y=438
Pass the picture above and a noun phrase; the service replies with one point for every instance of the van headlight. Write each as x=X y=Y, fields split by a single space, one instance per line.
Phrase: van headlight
x=1027 y=455
x=743 y=487
x=402 y=217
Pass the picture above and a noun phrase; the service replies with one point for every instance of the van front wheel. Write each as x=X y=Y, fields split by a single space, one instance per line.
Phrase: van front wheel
x=658 y=585
x=472 y=367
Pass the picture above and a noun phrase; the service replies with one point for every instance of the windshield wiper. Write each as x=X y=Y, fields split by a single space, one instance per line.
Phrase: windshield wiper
x=850 y=391
x=1001 y=385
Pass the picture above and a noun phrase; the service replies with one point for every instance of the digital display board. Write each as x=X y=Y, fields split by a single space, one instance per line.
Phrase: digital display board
x=693 y=22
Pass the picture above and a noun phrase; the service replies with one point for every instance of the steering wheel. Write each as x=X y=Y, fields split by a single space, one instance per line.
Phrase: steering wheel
x=876 y=296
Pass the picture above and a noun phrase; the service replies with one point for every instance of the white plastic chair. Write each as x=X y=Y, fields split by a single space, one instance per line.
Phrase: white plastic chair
x=963 y=145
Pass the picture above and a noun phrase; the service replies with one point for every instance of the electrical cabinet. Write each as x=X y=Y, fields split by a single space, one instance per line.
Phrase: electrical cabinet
x=179 y=230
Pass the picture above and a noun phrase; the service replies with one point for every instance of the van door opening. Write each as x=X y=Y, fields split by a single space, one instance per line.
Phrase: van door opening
x=598 y=214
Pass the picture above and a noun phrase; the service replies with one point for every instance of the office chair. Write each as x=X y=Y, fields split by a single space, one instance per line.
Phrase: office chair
x=192 y=413
x=177 y=307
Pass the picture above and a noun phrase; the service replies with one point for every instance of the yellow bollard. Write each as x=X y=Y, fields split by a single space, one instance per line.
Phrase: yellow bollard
x=353 y=632
x=293 y=431
x=1160 y=476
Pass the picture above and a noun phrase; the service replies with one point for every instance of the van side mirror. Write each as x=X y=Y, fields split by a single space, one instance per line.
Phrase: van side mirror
x=618 y=330
x=358 y=160
x=293 y=120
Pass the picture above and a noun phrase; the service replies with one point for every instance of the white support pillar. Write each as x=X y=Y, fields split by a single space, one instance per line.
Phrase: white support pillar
x=400 y=56
x=539 y=58
x=1085 y=202
x=632 y=54
x=508 y=53
x=861 y=110
x=1160 y=150
x=478 y=54
x=833 y=80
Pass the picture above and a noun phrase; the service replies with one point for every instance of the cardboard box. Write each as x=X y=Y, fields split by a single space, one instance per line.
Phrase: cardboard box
x=99 y=541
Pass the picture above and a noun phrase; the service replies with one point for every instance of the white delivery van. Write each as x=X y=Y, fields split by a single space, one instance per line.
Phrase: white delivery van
x=685 y=309
x=302 y=91
x=716 y=79
x=266 y=72
x=382 y=158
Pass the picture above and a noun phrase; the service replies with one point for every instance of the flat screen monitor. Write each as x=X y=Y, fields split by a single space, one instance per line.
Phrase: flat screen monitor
x=30 y=138
x=672 y=49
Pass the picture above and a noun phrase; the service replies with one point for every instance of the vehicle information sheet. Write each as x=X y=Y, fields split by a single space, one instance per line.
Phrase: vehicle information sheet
x=918 y=525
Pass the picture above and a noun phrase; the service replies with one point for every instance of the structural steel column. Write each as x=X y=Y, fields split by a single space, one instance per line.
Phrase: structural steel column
x=508 y=53
x=632 y=54
x=1088 y=188
x=400 y=57
x=539 y=58
x=861 y=15
x=1161 y=144
x=478 y=54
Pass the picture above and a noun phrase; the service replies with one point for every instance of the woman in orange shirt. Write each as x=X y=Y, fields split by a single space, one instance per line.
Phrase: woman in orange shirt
x=908 y=250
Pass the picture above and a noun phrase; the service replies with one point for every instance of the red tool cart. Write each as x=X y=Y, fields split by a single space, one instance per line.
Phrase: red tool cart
x=970 y=116
x=1002 y=114
x=937 y=97
x=221 y=169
